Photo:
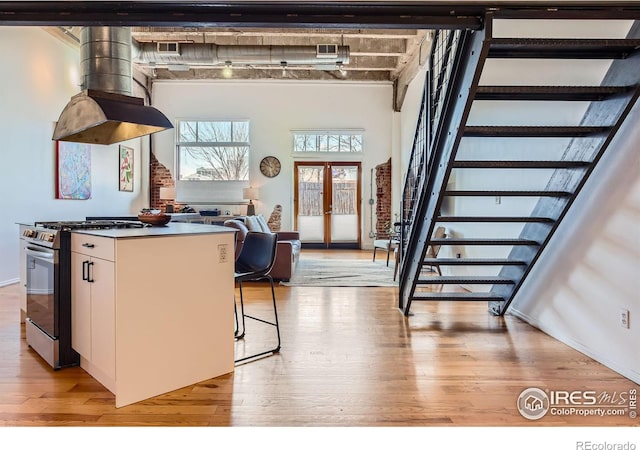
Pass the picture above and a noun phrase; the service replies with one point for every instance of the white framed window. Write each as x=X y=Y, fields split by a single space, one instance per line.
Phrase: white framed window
x=327 y=141
x=213 y=150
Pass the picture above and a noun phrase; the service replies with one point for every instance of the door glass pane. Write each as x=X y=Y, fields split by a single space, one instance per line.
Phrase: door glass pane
x=344 y=210
x=310 y=205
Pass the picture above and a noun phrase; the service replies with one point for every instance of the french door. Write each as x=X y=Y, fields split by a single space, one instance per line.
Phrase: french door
x=327 y=204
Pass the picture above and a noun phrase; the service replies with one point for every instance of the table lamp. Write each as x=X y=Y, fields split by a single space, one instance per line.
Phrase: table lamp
x=169 y=194
x=250 y=194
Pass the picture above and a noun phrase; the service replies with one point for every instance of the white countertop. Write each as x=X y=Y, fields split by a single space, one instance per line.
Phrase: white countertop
x=171 y=229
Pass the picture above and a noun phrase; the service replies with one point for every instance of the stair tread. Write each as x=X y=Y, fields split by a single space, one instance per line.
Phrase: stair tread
x=481 y=241
x=562 y=48
x=494 y=219
x=480 y=164
x=549 y=93
x=457 y=296
x=473 y=262
x=465 y=280
x=508 y=193
x=534 y=131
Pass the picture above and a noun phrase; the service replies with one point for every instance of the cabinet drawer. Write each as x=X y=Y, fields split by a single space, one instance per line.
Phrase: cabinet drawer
x=96 y=246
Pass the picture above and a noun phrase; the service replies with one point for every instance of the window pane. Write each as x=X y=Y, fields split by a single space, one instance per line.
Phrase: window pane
x=305 y=143
x=214 y=131
x=222 y=163
x=345 y=143
x=311 y=143
x=299 y=143
x=323 y=143
x=356 y=143
x=241 y=131
x=334 y=143
x=188 y=132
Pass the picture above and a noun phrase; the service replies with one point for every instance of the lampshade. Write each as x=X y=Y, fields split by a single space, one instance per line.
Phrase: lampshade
x=167 y=193
x=250 y=193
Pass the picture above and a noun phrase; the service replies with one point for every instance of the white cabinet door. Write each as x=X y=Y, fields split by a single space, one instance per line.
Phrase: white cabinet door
x=80 y=306
x=93 y=311
x=103 y=315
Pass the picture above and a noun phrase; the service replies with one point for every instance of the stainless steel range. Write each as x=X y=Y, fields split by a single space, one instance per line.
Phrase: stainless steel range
x=48 y=284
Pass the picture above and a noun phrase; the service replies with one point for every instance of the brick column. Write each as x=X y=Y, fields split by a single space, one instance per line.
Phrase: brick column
x=384 y=220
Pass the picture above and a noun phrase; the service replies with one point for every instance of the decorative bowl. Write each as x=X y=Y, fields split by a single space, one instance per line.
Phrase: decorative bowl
x=157 y=220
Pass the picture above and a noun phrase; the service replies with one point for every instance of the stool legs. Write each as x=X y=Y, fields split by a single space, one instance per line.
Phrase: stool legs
x=275 y=324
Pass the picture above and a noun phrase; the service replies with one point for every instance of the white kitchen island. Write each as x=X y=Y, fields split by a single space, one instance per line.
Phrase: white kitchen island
x=152 y=308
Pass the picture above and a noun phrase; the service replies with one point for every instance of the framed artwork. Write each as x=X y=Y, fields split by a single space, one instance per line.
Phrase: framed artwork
x=126 y=169
x=73 y=170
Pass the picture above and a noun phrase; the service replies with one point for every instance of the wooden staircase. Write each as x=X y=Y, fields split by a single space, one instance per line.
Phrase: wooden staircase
x=565 y=175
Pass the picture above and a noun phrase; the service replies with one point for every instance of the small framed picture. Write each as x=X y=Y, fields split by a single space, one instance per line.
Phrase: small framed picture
x=126 y=169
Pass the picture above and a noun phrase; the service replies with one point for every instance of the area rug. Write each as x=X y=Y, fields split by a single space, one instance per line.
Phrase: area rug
x=342 y=273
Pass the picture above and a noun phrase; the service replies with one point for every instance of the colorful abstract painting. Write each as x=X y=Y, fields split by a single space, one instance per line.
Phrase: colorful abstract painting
x=74 y=171
x=126 y=169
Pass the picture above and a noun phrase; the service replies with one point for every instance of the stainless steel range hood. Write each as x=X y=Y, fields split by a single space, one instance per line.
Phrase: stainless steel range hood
x=105 y=112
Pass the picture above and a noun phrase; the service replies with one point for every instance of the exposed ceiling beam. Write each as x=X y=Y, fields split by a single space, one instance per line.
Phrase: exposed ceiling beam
x=189 y=33
x=417 y=57
x=220 y=14
x=344 y=14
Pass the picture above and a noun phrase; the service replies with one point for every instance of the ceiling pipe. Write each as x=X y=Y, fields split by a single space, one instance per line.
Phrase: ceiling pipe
x=105 y=112
x=212 y=54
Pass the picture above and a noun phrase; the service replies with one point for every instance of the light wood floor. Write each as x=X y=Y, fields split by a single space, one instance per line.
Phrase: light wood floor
x=349 y=358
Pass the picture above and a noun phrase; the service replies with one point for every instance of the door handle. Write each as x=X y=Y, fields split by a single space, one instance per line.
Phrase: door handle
x=89 y=265
x=85 y=270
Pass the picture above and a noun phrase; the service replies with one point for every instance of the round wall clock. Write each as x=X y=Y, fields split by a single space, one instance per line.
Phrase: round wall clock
x=270 y=166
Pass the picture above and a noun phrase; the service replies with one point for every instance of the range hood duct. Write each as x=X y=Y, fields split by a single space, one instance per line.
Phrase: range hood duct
x=105 y=112
x=212 y=54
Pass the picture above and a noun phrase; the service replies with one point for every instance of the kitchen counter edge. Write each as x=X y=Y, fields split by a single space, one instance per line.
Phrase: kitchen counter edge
x=171 y=229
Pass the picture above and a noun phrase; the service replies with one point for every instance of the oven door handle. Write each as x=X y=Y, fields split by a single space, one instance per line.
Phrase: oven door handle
x=39 y=254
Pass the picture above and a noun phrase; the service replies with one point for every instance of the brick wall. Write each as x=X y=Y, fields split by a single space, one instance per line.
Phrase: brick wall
x=160 y=177
x=383 y=199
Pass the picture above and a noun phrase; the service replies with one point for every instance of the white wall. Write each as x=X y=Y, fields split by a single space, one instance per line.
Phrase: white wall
x=590 y=269
x=275 y=108
x=39 y=74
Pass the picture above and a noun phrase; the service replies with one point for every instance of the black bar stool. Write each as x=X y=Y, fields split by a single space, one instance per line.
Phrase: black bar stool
x=254 y=263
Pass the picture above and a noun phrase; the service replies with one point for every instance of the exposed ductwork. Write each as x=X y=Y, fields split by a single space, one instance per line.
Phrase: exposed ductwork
x=105 y=112
x=211 y=54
